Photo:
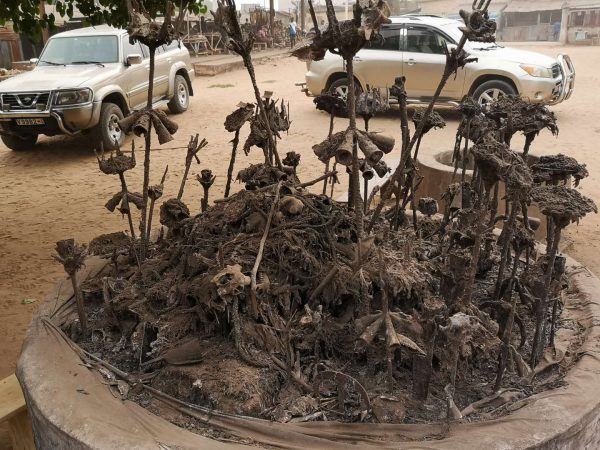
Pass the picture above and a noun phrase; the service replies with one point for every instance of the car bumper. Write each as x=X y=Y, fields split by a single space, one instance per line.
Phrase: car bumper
x=69 y=120
x=550 y=91
x=315 y=82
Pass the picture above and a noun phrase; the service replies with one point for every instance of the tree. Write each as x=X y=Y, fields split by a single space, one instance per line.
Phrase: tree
x=27 y=18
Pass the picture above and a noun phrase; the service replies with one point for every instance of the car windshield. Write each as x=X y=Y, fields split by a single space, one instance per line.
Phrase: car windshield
x=79 y=49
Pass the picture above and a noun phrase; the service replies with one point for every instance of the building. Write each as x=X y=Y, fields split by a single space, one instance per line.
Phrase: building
x=582 y=19
x=527 y=20
x=450 y=9
x=10 y=47
x=399 y=7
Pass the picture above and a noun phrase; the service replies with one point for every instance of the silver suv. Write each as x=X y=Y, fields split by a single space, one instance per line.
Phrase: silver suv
x=85 y=81
x=414 y=46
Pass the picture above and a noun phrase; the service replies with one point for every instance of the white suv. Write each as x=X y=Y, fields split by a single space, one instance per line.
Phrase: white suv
x=85 y=81
x=414 y=46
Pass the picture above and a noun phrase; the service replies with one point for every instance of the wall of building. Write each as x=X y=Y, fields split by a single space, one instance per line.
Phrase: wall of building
x=528 y=26
x=587 y=20
x=543 y=32
x=10 y=48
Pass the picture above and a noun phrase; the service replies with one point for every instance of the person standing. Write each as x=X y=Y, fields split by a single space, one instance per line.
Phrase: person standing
x=293 y=28
x=556 y=30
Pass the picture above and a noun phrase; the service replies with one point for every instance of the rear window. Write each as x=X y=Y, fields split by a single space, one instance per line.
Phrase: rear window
x=388 y=39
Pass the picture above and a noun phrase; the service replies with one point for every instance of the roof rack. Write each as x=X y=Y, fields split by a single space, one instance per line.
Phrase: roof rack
x=422 y=15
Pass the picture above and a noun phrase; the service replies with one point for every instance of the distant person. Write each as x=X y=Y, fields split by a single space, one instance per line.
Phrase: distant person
x=262 y=35
x=293 y=31
x=556 y=30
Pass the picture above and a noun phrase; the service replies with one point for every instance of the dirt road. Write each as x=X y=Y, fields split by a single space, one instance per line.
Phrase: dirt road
x=56 y=190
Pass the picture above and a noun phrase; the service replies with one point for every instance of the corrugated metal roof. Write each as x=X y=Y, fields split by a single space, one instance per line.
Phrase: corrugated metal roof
x=537 y=5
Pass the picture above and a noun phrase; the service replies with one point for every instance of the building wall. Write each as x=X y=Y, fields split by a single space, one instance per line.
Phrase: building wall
x=528 y=26
x=10 y=48
x=583 y=20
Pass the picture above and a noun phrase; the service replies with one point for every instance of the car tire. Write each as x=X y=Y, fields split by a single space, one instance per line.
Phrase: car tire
x=340 y=87
x=492 y=90
x=20 y=143
x=181 y=96
x=108 y=130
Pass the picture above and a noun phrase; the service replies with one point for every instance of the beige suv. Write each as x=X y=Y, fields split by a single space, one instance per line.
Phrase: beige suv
x=414 y=46
x=85 y=81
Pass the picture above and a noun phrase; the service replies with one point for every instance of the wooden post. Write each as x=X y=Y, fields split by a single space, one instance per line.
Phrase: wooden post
x=564 y=26
x=302 y=15
x=14 y=411
x=271 y=15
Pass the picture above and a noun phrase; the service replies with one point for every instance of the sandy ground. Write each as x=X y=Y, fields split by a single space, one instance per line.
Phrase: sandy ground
x=56 y=191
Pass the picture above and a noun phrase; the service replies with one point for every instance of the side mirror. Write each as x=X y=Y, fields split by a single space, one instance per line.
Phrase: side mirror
x=34 y=60
x=133 y=59
x=451 y=47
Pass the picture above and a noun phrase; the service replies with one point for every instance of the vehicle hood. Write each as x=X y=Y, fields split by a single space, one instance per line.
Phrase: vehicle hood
x=46 y=78
x=514 y=55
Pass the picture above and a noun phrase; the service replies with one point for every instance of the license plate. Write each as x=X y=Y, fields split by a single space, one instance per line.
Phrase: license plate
x=30 y=121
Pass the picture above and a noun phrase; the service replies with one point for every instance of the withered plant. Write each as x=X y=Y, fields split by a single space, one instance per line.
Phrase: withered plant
x=155 y=192
x=294 y=301
x=206 y=180
x=142 y=28
x=563 y=205
x=335 y=106
x=72 y=257
x=234 y=123
x=226 y=17
x=194 y=146
x=117 y=164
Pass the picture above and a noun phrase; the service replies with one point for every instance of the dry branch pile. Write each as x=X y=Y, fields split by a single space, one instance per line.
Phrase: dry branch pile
x=279 y=303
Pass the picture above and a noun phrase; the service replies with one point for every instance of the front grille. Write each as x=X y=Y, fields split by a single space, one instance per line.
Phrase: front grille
x=26 y=101
x=555 y=70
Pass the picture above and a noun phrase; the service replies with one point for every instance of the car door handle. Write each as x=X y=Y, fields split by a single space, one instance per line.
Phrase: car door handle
x=411 y=62
x=356 y=58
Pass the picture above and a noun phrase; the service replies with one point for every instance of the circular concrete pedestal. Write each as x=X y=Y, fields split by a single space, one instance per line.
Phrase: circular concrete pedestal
x=72 y=407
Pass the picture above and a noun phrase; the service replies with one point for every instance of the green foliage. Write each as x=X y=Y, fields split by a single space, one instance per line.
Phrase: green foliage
x=26 y=18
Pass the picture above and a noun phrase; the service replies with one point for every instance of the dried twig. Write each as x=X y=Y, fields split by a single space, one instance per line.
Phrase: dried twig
x=261 y=248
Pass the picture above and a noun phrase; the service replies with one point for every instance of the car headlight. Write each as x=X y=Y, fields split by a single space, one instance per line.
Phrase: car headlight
x=537 y=71
x=73 y=97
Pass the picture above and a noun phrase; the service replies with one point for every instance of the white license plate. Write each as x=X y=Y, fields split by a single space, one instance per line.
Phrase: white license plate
x=30 y=121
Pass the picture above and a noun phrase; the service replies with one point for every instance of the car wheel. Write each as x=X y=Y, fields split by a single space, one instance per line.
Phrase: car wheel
x=181 y=96
x=108 y=130
x=20 y=143
x=340 y=88
x=491 y=91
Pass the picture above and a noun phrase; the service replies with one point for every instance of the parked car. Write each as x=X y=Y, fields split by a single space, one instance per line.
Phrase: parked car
x=414 y=46
x=85 y=81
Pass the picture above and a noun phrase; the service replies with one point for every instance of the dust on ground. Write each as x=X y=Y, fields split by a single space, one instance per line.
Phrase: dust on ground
x=56 y=191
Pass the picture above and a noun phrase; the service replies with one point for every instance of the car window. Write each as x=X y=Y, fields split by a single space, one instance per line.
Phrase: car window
x=74 y=49
x=158 y=51
x=131 y=49
x=388 y=39
x=172 y=46
x=424 y=40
